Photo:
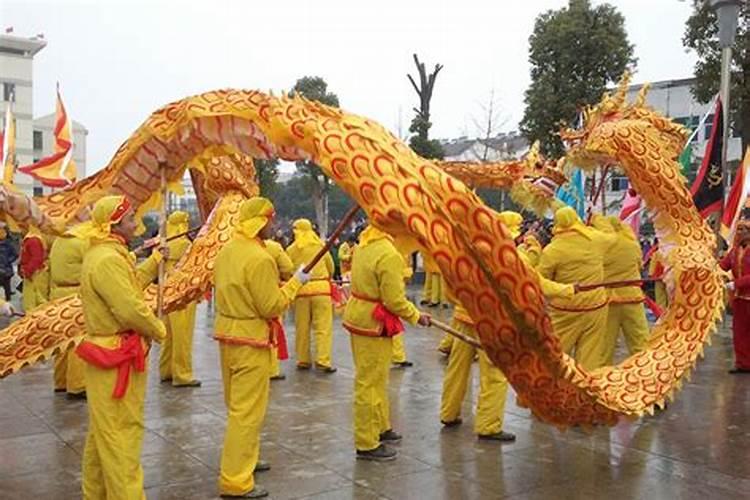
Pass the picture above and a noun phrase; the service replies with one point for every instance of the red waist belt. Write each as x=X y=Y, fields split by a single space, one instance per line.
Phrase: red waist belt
x=278 y=337
x=392 y=324
x=129 y=355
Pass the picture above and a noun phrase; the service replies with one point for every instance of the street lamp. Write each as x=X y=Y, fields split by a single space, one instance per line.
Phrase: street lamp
x=728 y=12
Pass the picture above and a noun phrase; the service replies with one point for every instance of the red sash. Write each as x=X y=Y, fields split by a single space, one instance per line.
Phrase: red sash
x=130 y=355
x=392 y=324
x=278 y=338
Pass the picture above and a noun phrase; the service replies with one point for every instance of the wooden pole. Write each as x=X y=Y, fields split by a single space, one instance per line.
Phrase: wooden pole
x=150 y=243
x=455 y=333
x=162 y=239
x=331 y=239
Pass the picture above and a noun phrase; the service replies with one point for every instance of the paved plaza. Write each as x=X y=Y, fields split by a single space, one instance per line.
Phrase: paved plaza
x=697 y=449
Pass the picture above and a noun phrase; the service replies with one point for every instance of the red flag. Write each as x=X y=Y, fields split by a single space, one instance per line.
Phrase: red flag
x=630 y=213
x=737 y=199
x=708 y=188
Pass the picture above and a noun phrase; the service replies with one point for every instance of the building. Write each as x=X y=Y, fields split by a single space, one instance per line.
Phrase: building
x=34 y=137
x=499 y=148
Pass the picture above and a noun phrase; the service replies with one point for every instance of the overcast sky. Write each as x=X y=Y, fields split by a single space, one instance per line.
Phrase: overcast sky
x=117 y=61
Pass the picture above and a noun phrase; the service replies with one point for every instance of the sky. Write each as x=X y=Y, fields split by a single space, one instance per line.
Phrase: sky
x=117 y=61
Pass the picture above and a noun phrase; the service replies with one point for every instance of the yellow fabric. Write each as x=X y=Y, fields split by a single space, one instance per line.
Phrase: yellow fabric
x=550 y=289
x=177 y=223
x=245 y=372
x=660 y=289
x=377 y=275
x=511 y=220
x=313 y=316
x=493 y=386
x=247 y=290
x=438 y=289
x=66 y=259
x=255 y=213
x=301 y=255
x=112 y=455
x=430 y=266
x=112 y=294
x=566 y=220
x=630 y=319
x=283 y=262
x=532 y=249
x=398 y=352
x=100 y=225
x=371 y=405
x=36 y=289
x=345 y=252
x=305 y=235
x=427 y=288
x=446 y=343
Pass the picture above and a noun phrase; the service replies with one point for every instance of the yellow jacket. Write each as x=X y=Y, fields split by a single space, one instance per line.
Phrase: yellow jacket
x=112 y=295
x=623 y=261
x=283 y=262
x=345 y=252
x=247 y=292
x=573 y=258
x=377 y=277
x=66 y=260
x=319 y=283
x=532 y=249
x=177 y=248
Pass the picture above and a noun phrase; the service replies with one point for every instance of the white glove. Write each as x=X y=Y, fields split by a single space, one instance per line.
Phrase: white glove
x=7 y=309
x=301 y=275
x=730 y=286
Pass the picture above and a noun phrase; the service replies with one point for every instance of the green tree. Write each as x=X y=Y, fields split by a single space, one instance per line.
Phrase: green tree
x=701 y=35
x=266 y=174
x=575 y=53
x=420 y=142
x=315 y=88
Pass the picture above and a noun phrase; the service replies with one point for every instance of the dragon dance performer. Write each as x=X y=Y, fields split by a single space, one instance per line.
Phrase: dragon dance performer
x=176 y=352
x=655 y=269
x=313 y=308
x=66 y=260
x=119 y=328
x=248 y=304
x=623 y=261
x=8 y=256
x=737 y=260
x=576 y=256
x=286 y=270
x=398 y=356
x=372 y=317
x=345 y=258
x=33 y=268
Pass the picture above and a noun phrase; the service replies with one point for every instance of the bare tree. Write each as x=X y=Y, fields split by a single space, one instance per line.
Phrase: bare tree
x=487 y=126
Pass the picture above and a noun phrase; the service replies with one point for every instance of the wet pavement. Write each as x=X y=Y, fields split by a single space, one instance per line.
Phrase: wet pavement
x=698 y=448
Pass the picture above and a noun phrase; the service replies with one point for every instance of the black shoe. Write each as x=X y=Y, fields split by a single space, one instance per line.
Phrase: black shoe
x=76 y=396
x=451 y=423
x=192 y=383
x=390 y=436
x=433 y=304
x=424 y=302
x=166 y=380
x=280 y=376
x=256 y=492
x=444 y=352
x=739 y=371
x=262 y=466
x=60 y=389
x=446 y=306
x=326 y=369
x=380 y=454
x=403 y=364
x=502 y=436
x=303 y=366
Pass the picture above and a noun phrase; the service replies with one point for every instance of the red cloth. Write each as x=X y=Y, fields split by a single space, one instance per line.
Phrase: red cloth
x=392 y=324
x=278 y=338
x=32 y=256
x=337 y=295
x=130 y=355
x=738 y=261
x=653 y=306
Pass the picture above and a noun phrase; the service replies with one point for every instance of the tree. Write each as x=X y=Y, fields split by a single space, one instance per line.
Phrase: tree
x=488 y=126
x=575 y=53
x=266 y=174
x=701 y=35
x=420 y=142
x=291 y=201
x=315 y=88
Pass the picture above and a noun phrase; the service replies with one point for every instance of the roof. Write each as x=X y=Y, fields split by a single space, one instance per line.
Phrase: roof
x=21 y=45
x=663 y=84
x=48 y=122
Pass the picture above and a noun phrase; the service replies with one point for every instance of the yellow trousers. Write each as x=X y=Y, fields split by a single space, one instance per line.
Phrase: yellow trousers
x=372 y=415
x=245 y=372
x=582 y=335
x=112 y=455
x=398 y=354
x=313 y=314
x=493 y=386
x=446 y=343
x=176 y=352
x=275 y=369
x=35 y=290
x=630 y=319
x=69 y=372
x=427 y=288
x=660 y=295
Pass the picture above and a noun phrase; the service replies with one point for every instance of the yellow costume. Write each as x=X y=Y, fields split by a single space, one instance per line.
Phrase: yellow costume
x=377 y=283
x=35 y=272
x=248 y=299
x=623 y=261
x=286 y=270
x=345 y=259
x=313 y=309
x=576 y=255
x=176 y=353
x=656 y=268
x=66 y=259
x=113 y=305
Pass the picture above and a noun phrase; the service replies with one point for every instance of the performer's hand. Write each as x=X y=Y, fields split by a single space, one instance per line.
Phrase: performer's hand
x=424 y=320
x=164 y=251
x=7 y=309
x=301 y=275
x=730 y=286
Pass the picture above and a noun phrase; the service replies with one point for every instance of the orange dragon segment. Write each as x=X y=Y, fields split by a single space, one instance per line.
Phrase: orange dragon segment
x=409 y=196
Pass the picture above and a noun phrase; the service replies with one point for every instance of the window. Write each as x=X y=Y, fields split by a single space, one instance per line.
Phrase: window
x=619 y=183
x=9 y=92
x=38 y=191
x=38 y=140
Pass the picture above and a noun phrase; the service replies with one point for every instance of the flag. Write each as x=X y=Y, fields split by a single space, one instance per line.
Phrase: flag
x=708 y=188
x=736 y=200
x=630 y=213
x=571 y=193
x=8 y=142
x=58 y=169
x=686 y=157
